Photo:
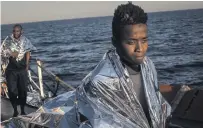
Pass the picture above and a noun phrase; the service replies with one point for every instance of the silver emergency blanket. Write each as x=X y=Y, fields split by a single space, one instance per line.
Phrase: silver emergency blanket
x=105 y=99
x=10 y=44
x=34 y=99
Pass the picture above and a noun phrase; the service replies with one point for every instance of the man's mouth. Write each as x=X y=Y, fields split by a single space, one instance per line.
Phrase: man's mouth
x=139 y=57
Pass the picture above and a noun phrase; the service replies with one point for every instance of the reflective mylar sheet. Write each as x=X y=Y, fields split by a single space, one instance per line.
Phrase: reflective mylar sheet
x=11 y=45
x=105 y=99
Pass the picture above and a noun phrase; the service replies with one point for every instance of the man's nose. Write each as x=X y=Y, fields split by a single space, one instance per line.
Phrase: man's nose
x=139 y=46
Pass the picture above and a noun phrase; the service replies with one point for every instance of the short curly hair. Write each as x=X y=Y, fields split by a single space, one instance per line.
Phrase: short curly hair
x=127 y=14
x=18 y=26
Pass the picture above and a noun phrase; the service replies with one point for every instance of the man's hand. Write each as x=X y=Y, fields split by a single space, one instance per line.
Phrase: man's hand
x=14 y=54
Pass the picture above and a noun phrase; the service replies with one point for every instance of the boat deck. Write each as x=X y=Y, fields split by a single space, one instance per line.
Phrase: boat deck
x=188 y=113
x=7 y=109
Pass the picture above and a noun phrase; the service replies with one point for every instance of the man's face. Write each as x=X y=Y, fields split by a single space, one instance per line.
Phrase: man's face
x=133 y=44
x=17 y=32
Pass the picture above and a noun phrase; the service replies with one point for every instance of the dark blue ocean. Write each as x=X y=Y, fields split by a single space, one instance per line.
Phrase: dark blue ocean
x=72 y=48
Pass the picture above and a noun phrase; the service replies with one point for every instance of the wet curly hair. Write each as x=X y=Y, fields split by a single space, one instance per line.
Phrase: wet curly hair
x=127 y=14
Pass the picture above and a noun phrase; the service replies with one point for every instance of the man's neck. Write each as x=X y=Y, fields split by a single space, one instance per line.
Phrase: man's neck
x=134 y=67
x=16 y=39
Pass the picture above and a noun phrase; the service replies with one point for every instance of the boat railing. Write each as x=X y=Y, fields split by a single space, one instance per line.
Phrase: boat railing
x=37 y=82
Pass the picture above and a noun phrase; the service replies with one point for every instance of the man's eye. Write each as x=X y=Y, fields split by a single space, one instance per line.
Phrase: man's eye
x=130 y=42
x=144 y=41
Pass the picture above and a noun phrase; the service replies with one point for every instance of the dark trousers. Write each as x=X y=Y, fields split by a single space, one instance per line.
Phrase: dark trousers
x=17 y=87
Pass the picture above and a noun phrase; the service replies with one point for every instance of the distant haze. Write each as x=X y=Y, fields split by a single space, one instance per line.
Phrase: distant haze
x=19 y=12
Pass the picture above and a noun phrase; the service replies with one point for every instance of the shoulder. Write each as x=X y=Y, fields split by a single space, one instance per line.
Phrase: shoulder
x=148 y=64
x=148 y=61
x=9 y=38
x=25 y=39
x=104 y=70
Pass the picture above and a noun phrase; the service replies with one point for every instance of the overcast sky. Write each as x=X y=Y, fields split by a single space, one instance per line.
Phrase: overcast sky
x=19 y=12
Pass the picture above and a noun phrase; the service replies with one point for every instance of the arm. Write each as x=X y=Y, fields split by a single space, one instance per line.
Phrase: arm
x=27 y=60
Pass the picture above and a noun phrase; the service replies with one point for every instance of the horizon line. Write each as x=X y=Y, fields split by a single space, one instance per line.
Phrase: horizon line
x=29 y=22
